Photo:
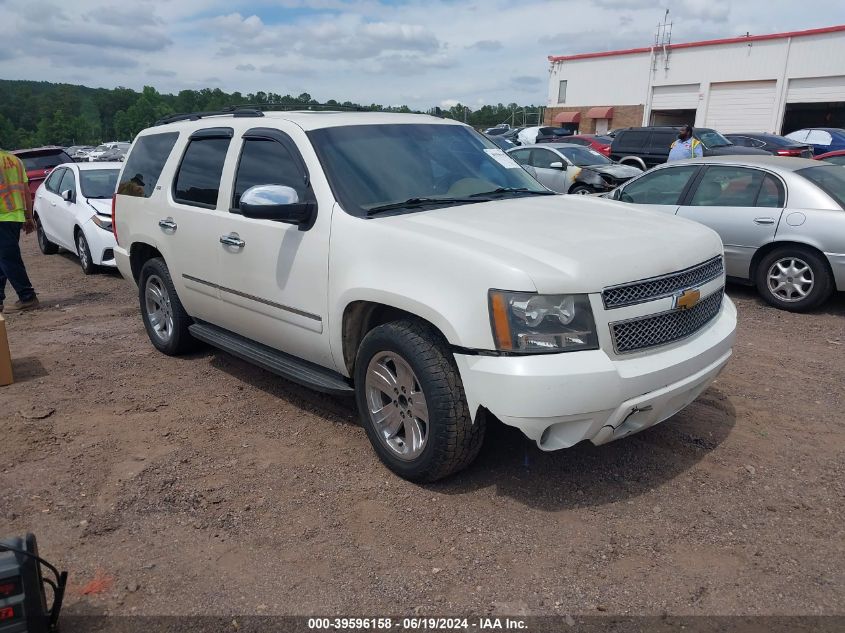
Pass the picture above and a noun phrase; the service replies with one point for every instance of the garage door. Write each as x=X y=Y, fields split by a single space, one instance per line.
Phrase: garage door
x=816 y=90
x=741 y=106
x=675 y=97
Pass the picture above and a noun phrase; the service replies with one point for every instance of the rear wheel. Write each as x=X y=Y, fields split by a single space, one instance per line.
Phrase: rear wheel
x=83 y=251
x=164 y=316
x=47 y=247
x=412 y=404
x=794 y=278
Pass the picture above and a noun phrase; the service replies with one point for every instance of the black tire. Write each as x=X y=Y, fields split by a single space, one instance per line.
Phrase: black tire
x=178 y=340
x=83 y=252
x=452 y=440
x=47 y=247
x=581 y=190
x=822 y=281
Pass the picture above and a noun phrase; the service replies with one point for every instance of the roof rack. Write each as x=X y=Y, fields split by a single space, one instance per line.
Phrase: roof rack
x=253 y=110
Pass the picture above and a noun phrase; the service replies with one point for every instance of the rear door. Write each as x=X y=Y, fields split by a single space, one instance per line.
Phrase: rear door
x=659 y=143
x=742 y=205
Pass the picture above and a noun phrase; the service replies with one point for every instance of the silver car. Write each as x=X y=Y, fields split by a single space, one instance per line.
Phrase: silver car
x=782 y=220
x=570 y=168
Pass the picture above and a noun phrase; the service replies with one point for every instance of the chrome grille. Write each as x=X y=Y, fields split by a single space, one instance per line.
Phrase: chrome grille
x=663 y=286
x=666 y=327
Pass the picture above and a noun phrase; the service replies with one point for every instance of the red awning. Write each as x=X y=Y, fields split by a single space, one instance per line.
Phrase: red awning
x=602 y=112
x=567 y=117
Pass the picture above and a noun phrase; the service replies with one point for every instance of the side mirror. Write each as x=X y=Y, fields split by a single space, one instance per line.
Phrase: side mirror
x=279 y=203
x=67 y=195
x=558 y=165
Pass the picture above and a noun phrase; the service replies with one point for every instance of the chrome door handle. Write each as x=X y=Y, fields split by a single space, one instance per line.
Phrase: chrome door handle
x=167 y=224
x=764 y=220
x=232 y=240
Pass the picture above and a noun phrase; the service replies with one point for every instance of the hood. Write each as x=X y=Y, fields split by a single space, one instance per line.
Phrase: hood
x=100 y=205
x=735 y=150
x=566 y=243
x=616 y=170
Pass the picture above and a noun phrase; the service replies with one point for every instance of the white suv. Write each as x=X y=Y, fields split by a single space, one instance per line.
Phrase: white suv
x=407 y=259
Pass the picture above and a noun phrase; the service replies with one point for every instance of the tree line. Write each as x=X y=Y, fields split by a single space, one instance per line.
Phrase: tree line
x=35 y=113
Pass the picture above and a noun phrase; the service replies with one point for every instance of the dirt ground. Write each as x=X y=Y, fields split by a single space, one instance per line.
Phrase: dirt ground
x=205 y=485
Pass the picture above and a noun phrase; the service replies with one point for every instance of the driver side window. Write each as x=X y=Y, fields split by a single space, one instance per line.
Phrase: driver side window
x=52 y=184
x=663 y=186
x=68 y=182
x=543 y=158
x=267 y=162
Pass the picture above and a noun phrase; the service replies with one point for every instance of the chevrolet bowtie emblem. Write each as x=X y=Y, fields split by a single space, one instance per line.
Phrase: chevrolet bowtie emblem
x=687 y=299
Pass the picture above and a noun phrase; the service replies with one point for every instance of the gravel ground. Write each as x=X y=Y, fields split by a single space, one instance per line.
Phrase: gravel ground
x=204 y=485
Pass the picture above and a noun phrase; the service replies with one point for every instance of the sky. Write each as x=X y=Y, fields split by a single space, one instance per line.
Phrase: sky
x=421 y=53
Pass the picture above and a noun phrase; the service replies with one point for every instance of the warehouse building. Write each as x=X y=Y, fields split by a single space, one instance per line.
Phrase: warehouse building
x=757 y=83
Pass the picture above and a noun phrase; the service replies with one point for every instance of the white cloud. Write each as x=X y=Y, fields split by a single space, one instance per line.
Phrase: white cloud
x=419 y=52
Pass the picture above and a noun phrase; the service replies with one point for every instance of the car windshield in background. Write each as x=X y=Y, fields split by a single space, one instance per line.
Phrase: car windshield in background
x=583 y=156
x=98 y=183
x=828 y=178
x=44 y=161
x=711 y=138
x=371 y=166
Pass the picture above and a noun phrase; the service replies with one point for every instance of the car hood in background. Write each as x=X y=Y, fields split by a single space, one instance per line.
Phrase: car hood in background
x=566 y=243
x=617 y=171
x=101 y=205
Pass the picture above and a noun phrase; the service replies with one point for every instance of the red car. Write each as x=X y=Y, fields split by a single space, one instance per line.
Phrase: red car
x=837 y=157
x=39 y=162
x=599 y=143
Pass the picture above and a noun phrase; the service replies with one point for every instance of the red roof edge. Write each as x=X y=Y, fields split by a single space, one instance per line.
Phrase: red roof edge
x=729 y=40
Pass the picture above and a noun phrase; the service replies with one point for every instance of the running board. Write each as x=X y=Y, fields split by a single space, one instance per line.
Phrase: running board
x=287 y=366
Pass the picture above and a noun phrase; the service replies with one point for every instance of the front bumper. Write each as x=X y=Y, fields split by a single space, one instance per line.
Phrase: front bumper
x=101 y=243
x=558 y=400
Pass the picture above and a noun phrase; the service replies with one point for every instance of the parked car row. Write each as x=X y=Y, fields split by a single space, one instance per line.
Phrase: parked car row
x=72 y=209
x=782 y=220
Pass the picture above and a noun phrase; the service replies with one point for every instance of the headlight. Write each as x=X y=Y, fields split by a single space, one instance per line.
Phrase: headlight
x=530 y=323
x=103 y=223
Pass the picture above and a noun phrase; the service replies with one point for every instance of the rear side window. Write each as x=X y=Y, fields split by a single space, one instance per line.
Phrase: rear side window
x=267 y=162
x=633 y=141
x=146 y=160
x=660 y=142
x=663 y=186
x=198 y=179
x=828 y=178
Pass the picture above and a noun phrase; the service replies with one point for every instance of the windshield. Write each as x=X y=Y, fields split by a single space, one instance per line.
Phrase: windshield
x=583 y=156
x=369 y=166
x=98 y=183
x=711 y=138
x=828 y=178
x=44 y=161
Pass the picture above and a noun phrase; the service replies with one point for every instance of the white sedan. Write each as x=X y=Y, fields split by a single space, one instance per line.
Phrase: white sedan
x=73 y=210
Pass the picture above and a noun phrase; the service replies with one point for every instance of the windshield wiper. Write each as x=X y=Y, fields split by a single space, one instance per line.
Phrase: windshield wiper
x=410 y=203
x=513 y=190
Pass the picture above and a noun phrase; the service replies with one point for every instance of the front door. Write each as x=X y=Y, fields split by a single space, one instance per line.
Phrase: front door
x=273 y=277
x=742 y=205
x=661 y=189
x=555 y=178
x=66 y=211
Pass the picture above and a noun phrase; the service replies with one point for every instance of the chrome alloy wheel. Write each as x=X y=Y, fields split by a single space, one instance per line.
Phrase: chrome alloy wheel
x=82 y=251
x=396 y=405
x=158 y=307
x=790 y=279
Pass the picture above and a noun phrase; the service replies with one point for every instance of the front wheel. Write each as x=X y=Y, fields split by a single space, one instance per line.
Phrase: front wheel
x=412 y=404
x=794 y=278
x=581 y=190
x=164 y=317
x=83 y=251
